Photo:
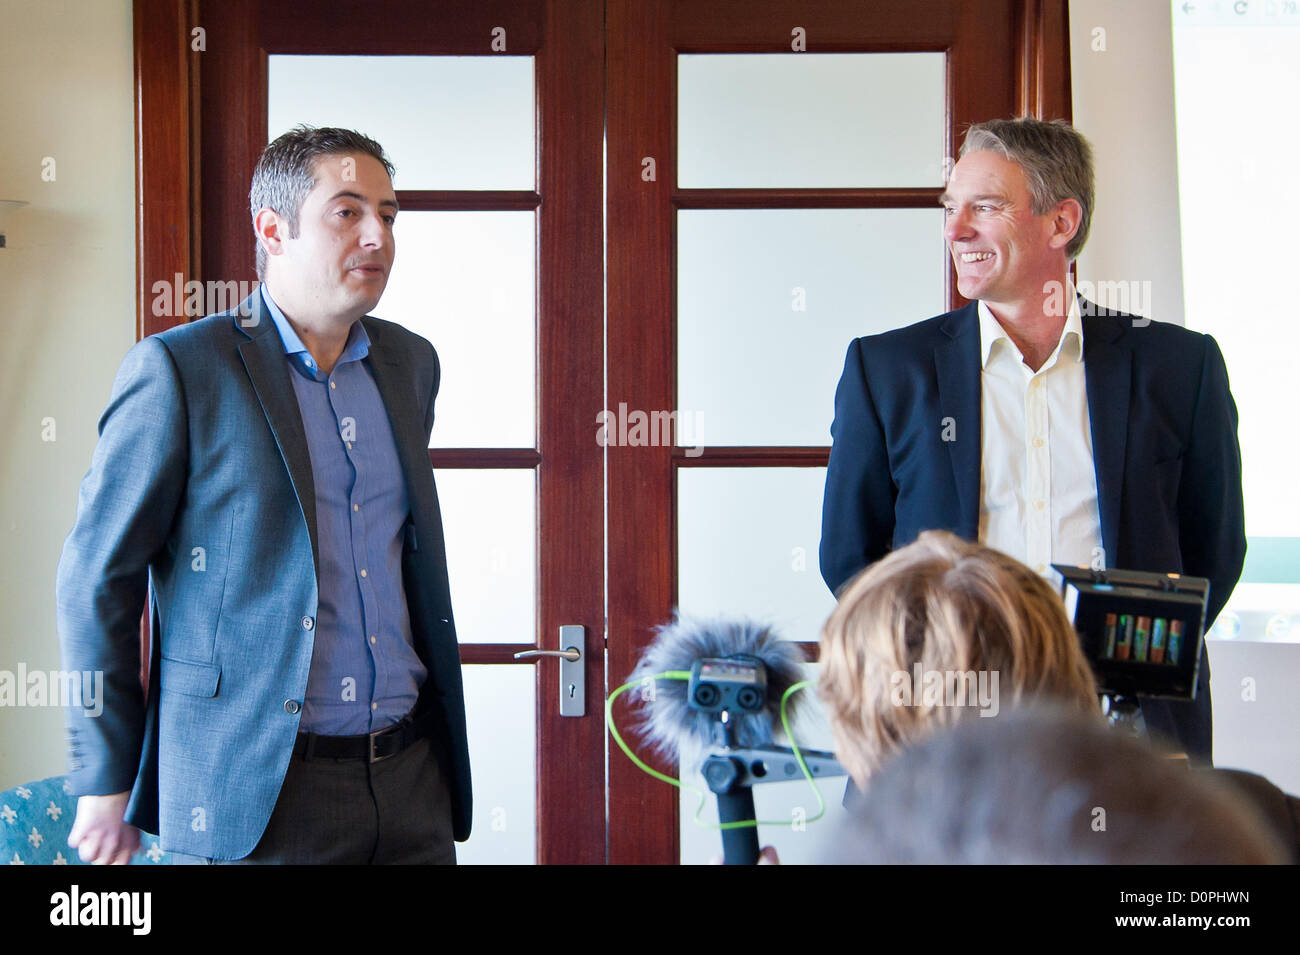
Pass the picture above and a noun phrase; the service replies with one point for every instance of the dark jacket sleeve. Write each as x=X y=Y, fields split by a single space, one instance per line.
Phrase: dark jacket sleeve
x=858 y=507
x=436 y=378
x=1211 y=516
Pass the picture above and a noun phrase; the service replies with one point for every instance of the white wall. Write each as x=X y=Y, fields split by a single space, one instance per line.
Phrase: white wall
x=66 y=298
x=1121 y=67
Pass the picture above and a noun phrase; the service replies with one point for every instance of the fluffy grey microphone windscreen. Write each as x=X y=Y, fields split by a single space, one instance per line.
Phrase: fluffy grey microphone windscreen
x=667 y=721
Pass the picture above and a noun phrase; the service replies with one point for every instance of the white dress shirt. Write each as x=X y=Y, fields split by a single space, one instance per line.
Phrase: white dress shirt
x=1038 y=484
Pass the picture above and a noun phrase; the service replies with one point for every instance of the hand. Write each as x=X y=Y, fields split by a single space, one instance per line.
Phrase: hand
x=99 y=834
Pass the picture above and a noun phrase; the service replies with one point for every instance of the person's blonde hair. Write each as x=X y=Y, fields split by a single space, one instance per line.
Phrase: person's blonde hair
x=953 y=607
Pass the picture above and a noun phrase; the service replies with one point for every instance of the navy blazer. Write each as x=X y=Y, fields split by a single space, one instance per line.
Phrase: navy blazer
x=202 y=446
x=1164 y=439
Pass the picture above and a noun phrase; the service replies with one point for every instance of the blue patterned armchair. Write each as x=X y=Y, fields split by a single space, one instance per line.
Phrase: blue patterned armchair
x=35 y=820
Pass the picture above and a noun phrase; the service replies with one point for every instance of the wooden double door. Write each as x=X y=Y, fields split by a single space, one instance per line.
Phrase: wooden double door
x=640 y=234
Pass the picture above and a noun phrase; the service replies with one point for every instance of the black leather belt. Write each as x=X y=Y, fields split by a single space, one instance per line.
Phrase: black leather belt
x=370 y=747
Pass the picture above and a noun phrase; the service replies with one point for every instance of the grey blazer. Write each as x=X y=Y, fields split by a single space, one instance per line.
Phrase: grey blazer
x=202 y=446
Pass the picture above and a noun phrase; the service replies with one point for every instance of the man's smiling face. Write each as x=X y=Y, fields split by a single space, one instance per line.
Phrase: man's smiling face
x=1002 y=252
x=338 y=264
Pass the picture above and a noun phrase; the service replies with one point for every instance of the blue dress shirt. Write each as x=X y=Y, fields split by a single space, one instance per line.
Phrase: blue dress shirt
x=365 y=673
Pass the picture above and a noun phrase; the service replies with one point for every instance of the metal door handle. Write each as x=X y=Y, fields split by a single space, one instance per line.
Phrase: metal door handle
x=571 y=654
x=573 y=684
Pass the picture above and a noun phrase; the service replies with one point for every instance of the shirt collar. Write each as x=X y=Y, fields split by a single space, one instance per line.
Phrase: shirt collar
x=357 y=347
x=1070 y=344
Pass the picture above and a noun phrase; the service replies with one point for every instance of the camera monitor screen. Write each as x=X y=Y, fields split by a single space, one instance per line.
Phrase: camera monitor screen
x=1140 y=631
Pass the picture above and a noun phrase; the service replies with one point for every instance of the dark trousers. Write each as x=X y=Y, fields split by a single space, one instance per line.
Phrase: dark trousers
x=1185 y=726
x=349 y=812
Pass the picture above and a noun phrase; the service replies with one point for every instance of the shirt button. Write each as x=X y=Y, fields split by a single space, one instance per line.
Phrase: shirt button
x=355 y=507
x=1042 y=568
x=372 y=639
x=308 y=623
x=363 y=572
x=1037 y=504
x=349 y=444
x=291 y=707
x=373 y=707
x=1038 y=442
x=332 y=385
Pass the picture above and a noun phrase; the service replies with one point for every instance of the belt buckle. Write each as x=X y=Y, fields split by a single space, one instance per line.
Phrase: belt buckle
x=371 y=755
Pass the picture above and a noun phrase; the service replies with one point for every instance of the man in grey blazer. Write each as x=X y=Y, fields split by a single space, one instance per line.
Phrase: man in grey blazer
x=265 y=470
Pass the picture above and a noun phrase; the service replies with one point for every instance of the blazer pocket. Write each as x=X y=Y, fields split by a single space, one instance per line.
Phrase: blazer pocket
x=192 y=679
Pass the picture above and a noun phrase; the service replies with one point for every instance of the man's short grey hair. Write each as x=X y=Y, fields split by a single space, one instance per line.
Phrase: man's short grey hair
x=1056 y=160
x=286 y=171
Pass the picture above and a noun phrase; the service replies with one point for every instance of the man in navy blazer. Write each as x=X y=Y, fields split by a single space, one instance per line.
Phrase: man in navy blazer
x=296 y=560
x=943 y=424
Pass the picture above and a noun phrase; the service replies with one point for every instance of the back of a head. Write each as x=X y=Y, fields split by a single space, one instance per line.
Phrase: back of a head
x=1042 y=786
x=943 y=611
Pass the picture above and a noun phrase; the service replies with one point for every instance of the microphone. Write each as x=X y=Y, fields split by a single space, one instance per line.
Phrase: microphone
x=739 y=672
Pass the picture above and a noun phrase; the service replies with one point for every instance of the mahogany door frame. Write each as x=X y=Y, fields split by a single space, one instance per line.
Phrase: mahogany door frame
x=1005 y=57
x=185 y=114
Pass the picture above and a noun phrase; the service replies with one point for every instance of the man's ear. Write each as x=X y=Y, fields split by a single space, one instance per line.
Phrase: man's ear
x=1066 y=218
x=271 y=230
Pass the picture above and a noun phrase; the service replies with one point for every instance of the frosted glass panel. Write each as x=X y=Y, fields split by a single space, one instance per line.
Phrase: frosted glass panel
x=446 y=122
x=769 y=299
x=488 y=519
x=747 y=546
x=790 y=804
x=769 y=120
x=500 y=708
x=466 y=282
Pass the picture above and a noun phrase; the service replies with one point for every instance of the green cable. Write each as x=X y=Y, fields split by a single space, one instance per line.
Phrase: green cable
x=794 y=747
x=785 y=725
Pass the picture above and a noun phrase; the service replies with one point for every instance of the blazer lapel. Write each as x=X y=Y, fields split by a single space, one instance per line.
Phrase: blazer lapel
x=393 y=378
x=1108 y=365
x=957 y=365
x=263 y=357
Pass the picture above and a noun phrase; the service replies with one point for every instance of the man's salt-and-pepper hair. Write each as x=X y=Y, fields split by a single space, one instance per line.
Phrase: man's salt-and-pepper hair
x=286 y=171
x=1056 y=160
x=949 y=606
